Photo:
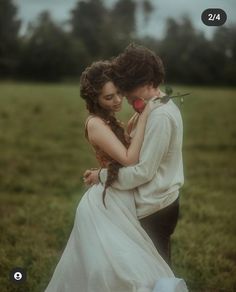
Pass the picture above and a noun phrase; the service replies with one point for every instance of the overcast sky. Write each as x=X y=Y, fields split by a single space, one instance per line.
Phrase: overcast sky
x=60 y=9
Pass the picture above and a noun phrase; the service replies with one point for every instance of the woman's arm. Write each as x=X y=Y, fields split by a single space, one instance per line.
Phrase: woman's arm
x=101 y=135
x=160 y=128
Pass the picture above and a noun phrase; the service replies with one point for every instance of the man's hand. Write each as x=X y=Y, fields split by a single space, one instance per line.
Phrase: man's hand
x=90 y=177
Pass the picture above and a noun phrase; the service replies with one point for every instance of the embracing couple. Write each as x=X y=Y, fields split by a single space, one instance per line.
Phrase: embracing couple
x=120 y=241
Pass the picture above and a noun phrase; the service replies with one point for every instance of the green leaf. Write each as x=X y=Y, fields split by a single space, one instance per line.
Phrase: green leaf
x=168 y=90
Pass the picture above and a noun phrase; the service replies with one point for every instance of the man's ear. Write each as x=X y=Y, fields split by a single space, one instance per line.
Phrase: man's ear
x=150 y=85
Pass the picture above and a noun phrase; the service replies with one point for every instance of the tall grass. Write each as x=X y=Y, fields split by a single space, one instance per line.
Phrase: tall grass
x=43 y=154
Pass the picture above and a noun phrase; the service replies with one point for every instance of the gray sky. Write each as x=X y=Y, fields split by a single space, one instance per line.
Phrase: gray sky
x=59 y=9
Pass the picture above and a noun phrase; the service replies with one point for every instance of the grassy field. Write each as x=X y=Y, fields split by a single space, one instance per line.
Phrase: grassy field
x=43 y=154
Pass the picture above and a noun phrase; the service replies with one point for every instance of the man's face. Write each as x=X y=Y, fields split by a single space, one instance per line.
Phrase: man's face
x=144 y=92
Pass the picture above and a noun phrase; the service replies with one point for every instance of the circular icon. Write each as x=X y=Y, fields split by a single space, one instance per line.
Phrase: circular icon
x=17 y=276
x=214 y=17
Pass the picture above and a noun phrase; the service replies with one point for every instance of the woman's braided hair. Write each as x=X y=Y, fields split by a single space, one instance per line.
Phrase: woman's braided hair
x=92 y=81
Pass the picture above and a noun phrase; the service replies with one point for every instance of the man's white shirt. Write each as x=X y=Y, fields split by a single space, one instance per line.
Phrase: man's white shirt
x=156 y=179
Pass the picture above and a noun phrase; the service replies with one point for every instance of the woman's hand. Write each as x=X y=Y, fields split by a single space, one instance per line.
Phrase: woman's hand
x=153 y=103
x=147 y=109
x=90 y=177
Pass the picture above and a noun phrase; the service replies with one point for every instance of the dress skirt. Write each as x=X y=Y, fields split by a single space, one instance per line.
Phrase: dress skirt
x=109 y=251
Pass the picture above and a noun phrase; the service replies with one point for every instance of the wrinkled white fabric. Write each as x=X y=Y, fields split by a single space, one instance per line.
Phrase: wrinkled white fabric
x=108 y=250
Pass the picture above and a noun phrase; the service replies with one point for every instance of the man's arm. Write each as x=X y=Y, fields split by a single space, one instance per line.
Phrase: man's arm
x=154 y=147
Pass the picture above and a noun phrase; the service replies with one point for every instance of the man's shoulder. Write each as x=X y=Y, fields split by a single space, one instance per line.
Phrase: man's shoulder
x=168 y=111
x=169 y=108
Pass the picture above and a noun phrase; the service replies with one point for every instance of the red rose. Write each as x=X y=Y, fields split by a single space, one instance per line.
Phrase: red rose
x=138 y=105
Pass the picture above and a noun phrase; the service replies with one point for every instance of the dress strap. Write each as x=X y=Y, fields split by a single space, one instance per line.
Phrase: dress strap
x=88 y=119
x=86 y=125
x=132 y=123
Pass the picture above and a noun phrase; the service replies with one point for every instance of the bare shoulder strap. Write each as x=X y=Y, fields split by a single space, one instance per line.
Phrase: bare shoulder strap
x=86 y=125
x=132 y=123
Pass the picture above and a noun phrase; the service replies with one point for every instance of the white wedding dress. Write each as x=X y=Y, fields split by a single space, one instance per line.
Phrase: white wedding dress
x=108 y=250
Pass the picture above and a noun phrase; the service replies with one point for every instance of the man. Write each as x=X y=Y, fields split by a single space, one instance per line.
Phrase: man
x=158 y=176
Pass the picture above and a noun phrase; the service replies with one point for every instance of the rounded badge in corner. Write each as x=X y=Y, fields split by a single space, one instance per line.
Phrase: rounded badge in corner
x=18 y=275
x=214 y=17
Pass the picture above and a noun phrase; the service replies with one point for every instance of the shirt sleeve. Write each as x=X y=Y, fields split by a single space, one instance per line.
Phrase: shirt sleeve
x=155 y=146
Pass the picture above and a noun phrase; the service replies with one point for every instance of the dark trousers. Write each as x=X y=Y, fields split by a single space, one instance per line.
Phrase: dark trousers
x=159 y=226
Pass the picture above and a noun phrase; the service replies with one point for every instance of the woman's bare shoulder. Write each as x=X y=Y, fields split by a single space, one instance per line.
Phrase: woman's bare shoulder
x=95 y=124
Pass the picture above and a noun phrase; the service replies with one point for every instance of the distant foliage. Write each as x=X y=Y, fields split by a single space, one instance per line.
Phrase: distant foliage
x=9 y=42
x=49 y=52
x=191 y=58
x=88 y=22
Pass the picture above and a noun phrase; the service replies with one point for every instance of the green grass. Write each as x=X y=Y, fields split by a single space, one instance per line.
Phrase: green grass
x=43 y=154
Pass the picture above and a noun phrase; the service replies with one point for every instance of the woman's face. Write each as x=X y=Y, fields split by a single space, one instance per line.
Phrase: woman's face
x=110 y=98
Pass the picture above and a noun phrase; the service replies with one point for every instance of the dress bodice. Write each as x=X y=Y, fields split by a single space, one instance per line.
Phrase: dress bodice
x=102 y=158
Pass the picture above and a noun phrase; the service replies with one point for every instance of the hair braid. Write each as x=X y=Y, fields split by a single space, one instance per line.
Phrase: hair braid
x=114 y=166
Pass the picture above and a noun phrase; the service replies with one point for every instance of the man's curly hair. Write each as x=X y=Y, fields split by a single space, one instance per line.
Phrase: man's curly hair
x=137 y=66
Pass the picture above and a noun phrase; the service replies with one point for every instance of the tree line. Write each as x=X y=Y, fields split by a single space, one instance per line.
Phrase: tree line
x=53 y=52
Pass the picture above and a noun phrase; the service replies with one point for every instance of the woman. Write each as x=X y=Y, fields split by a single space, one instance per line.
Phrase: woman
x=108 y=251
